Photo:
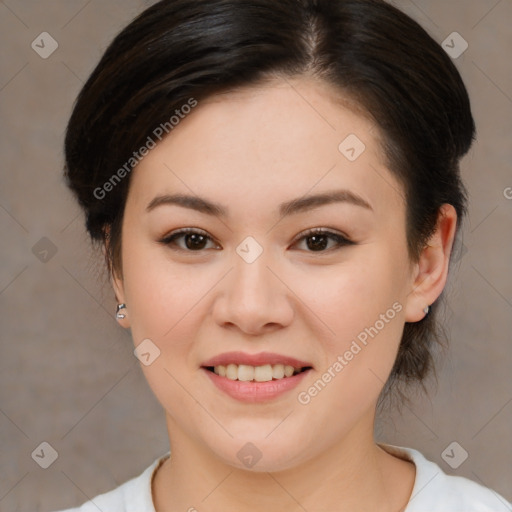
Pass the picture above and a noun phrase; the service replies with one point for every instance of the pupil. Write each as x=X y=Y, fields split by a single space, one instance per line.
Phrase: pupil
x=196 y=241
x=319 y=242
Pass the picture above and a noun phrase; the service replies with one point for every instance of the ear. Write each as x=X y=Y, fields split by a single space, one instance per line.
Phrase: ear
x=117 y=284
x=431 y=271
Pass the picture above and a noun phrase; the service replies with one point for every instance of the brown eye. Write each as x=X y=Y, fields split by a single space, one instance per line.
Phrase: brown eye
x=194 y=240
x=317 y=240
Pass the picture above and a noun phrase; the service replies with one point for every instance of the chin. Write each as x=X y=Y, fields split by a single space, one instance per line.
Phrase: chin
x=260 y=452
x=250 y=457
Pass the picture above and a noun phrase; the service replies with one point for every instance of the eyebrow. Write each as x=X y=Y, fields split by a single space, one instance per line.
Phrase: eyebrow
x=292 y=207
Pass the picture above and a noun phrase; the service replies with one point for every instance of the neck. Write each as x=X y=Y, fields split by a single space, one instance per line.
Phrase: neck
x=353 y=475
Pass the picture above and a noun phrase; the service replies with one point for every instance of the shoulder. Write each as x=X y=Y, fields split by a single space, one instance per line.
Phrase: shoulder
x=435 y=491
x=132 y=496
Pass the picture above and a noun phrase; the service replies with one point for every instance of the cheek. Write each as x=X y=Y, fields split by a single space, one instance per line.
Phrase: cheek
x=355 y=297
x=165 y=300
x=362 y=306
x=363 y=311
x=161 y=294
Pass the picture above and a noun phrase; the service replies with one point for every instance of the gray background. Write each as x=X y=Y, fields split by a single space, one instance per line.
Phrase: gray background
x=67 y=371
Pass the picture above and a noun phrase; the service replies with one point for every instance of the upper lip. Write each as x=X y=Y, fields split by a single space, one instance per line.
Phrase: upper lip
x=254 y=359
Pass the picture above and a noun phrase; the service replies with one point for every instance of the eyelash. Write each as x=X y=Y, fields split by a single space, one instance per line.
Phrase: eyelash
x=340 y=240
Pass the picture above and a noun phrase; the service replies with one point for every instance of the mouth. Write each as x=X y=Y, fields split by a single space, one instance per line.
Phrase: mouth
x=255 y=377
x=262 y=373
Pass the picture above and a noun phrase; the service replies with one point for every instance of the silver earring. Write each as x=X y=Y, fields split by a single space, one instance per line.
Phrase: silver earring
x=426 y=309
x=119 y=314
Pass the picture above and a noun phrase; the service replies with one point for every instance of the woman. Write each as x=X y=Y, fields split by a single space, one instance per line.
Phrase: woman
x=276 y=188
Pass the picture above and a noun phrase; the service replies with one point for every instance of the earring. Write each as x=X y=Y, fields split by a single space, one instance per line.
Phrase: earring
x=426 y=309
x=119 y=314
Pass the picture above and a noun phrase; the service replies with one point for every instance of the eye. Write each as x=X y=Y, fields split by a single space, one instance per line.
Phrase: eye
x=194 y=240
x=317 y=240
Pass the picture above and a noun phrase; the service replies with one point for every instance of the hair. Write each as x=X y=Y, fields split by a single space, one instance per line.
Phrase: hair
x=179 y=51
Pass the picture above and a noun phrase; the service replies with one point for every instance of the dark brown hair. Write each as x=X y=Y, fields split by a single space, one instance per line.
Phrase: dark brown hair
x=178 y=50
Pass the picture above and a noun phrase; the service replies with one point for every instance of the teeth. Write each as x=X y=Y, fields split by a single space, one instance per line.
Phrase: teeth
x=263 y=373
x=232 y=371
x=278 y=371
x=247 y=373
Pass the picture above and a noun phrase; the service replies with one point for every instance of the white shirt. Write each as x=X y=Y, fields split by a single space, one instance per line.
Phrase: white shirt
x=433 y=491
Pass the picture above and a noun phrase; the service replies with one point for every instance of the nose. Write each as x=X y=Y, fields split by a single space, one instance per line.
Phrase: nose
x=253 y=298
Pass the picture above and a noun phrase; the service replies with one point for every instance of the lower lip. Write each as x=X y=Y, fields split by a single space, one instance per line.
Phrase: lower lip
x=255 y=392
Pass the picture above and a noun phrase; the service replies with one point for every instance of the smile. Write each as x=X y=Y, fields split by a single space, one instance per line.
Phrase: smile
x=247 y=373
x=255 y=377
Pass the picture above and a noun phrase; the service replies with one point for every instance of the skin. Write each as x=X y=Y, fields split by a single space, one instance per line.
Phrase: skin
x=241 y=149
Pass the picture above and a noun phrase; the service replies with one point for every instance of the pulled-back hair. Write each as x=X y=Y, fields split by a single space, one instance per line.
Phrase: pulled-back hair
x=182 y=51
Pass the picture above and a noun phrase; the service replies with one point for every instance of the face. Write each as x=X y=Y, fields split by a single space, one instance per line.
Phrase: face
x=253 y=284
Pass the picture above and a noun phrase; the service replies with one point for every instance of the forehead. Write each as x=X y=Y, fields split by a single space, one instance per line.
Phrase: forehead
x=269 y=143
